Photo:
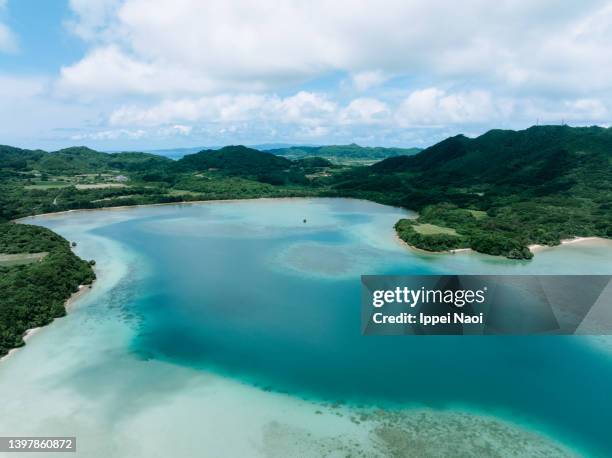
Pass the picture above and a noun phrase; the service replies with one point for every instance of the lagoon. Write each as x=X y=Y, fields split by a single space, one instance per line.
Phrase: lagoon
x=238 y=323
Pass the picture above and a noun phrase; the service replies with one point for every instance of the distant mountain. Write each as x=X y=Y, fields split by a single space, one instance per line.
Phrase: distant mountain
x=177 y=153
x=343 y=153
x=238 y=160
x=249 y=163
x=274 y=146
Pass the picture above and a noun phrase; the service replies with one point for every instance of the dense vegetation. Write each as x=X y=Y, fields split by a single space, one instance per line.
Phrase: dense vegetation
x=31 y=185
x=75 y=160
x=501 y=191
x=33 y=294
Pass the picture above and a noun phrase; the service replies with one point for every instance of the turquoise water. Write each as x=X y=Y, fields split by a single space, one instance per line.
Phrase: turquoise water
x=248 y=291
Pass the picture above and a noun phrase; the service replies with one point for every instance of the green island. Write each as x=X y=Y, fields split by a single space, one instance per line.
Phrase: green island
x=496 y=194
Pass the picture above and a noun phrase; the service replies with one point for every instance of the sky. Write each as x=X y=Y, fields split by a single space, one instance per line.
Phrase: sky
x=153 y=74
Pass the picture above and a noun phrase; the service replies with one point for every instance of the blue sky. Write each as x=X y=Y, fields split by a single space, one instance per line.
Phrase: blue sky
x=147 y=74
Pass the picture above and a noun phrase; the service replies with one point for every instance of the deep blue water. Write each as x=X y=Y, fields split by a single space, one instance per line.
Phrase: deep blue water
x=246 y=296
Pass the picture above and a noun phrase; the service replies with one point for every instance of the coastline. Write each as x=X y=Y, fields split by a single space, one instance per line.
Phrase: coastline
x=538 y=247
x=83 y=289
x=533 y=248
x=423 y=251
x=68 y=305
x=212 y=201
x=181 y=202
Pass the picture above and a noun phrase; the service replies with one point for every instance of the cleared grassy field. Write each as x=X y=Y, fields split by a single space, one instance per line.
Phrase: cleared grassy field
x=478 y=214
x=49 y=185
x=431 y=229
x=8 y=260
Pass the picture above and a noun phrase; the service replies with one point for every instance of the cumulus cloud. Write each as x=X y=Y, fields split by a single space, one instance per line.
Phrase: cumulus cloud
x=287 y=70
x=306 y=108
x=111 y=135
x=316 y=114
x=216 y=45
x=365 y=111
x=93 y=19
x=432 y=106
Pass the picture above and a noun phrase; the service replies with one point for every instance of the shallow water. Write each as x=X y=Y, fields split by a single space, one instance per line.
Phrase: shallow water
x=198 y=304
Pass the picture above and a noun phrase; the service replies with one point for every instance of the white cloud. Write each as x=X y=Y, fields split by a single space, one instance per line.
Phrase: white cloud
x=365 y=111
x=8 y=42
x=181 y=129
x=109 y=71
x=580 y=111
x=93 y=18
x=288 y=70
x=312 y=132
x=111 y=135
x=434 y=106
x=363 y=81
x=306 y=108
x=215 y=46
x=589 y=109
x=177 y=130
x=309 y=114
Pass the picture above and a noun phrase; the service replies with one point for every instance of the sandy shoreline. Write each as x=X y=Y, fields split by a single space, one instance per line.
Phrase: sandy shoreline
x=190 y=202
x=533 y=248
x=537 y=247
x=421 y=250
x=68 y=305
x=182 y=202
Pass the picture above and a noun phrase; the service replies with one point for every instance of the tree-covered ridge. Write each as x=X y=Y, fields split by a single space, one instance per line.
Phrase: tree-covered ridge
x=74 y=160
x=34 y=294
x=116 y=179
x=536 y=186
x=236 y=160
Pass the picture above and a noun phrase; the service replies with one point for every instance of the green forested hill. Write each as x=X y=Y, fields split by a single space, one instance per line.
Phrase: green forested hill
x=74 y=160
x=238 y=160
x=33 y=294
x=539 y=185
x=525 y=158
